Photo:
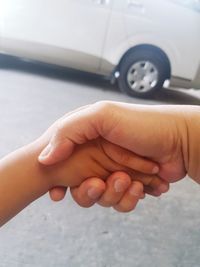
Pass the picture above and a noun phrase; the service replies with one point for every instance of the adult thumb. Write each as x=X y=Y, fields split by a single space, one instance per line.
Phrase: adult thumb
x=55 y=152
x=76 y=128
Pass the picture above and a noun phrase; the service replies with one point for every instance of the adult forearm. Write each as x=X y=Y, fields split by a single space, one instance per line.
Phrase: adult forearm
x=191 y=145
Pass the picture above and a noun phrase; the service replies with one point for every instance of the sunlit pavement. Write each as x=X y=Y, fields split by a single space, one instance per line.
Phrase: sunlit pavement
x=162 y=232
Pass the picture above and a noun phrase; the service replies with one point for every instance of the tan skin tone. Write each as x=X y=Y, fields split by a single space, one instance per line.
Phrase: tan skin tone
x=23 y=179
x=168 y=135
x=105 y=193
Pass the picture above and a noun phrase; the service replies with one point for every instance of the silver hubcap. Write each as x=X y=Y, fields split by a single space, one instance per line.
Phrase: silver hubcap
x=142 y=76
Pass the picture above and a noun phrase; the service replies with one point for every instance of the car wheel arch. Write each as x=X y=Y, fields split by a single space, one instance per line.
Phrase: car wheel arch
x=151 y=48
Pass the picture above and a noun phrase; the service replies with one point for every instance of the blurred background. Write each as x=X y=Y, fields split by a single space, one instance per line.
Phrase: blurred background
x=57 y=56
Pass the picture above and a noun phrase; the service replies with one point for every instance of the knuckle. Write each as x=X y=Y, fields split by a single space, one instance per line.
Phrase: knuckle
x=58 y=130
x=108 y=115
x=103 y=106
x=60 y=125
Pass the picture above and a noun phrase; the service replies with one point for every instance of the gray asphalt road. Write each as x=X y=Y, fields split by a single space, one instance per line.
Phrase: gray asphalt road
x=163 y=232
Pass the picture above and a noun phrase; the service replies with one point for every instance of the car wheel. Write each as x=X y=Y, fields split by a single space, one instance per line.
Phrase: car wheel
x=142 y=73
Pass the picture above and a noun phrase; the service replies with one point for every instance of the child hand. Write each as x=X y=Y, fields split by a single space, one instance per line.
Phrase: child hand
x=118 y=192
x=100 y=158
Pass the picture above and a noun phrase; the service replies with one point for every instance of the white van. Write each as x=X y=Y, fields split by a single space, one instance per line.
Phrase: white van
x=141 y=43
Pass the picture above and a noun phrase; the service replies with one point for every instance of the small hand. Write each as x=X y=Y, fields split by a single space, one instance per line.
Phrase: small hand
x=123 y=196
x=118 y=192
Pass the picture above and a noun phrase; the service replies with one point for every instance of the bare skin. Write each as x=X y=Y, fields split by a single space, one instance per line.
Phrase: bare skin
x=168 y=135
x=23 y=179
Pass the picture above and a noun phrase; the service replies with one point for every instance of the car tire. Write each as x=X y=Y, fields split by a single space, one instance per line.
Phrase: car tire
x=142 y=73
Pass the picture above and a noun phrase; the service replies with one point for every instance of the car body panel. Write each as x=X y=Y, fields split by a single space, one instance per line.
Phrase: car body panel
x=147 y=22
x=68 y=37
x=94 y=35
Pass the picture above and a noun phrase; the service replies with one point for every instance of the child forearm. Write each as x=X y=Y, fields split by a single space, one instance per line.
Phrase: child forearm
x=22 y=180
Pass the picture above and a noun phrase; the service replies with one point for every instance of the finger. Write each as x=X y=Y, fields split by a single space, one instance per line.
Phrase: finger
x=57 y=193
x=153 y=184
x=157 y=192
x=131 y=198
x=109 y=120
x=88 y=193
x=76 y=128
x=116 y=186
x=148 y=190
x=99 y=119
x=129 y=159
x=158 y=186
x=143 y=195
x=63 y=149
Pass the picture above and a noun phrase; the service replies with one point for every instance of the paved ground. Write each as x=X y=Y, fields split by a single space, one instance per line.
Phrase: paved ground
x=160 y=233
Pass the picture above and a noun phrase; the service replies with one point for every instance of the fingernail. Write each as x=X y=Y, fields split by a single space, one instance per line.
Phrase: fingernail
x=45 y=152
x=135 y=191
x=163 y=188
x=93 y=193
x=119 y=186
x=155 y=169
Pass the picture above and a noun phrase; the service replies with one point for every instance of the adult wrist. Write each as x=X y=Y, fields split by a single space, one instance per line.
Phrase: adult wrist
x=191 y=142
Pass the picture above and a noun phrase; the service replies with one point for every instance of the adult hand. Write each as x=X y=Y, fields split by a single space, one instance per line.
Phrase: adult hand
x=165 y=134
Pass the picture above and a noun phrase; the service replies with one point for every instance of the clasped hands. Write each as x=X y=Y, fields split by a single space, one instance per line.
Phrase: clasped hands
x=148 y=146
x=110 y=153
